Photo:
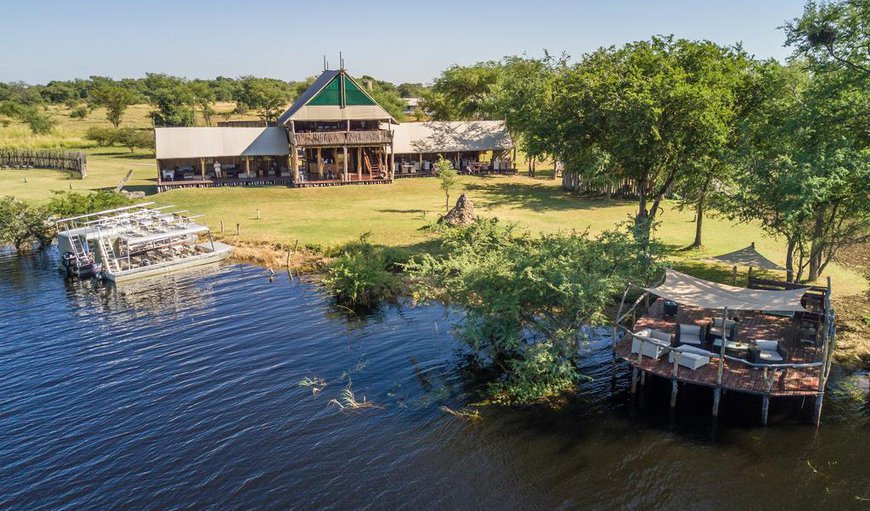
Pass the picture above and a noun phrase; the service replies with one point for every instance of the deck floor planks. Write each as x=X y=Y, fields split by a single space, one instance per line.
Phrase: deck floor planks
x=735 y=376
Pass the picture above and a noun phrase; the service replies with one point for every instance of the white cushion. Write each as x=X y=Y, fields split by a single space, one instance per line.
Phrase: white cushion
x=690 y=339
x=690 y=360
x=689 y=330
x=643 y=333
x=766 y=345
x=662 y=336
x=770 y=356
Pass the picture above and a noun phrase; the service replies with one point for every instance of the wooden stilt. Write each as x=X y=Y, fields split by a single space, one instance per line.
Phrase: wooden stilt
x=817 y=410
x=765 y=406
x=674 y=389
x=717 y=395
x=633 y=380
x=642 y=378
x=344 y=176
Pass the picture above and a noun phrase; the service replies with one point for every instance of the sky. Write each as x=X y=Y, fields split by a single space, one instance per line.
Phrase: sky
x=399 y=41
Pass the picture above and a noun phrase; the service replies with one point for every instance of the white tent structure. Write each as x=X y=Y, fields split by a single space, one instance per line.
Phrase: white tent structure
x=688 y=290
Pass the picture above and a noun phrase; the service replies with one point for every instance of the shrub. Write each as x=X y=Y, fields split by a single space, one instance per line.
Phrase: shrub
x=362 y=274
x=102 y=136
x=80 y=112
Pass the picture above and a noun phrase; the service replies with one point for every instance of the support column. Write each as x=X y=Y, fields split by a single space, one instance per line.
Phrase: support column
x=248 y=166
x=674 y=389
x=319 y=164
x=765 y=406
x=633 y=379
x=359 y=163
x=717 y=395
x=202 y=167
x=392 y=173
x=344 y=150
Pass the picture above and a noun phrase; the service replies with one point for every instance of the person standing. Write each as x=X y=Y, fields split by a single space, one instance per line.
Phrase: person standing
x=217 y=169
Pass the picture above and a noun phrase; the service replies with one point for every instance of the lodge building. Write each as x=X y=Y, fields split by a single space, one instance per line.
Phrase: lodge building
x=335 y=133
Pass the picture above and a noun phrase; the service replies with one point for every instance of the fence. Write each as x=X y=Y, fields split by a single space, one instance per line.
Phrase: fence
x=624 y=189
x=44 y=159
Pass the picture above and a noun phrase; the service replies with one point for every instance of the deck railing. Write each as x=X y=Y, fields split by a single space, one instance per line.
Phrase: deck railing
x=341 y=138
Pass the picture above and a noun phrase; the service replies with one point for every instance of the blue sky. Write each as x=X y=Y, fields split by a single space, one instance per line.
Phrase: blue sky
x=397 y=41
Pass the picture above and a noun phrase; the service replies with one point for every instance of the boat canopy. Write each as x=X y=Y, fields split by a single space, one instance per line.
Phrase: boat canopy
x=174 y=233
x=748 y=256
x=688 y=290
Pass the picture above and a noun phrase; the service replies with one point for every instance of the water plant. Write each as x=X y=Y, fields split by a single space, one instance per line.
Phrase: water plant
x=315 y=384
x=347 y=400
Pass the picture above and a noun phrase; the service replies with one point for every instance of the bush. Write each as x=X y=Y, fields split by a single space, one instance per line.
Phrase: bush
x=132 y=138
x=362 y=274
x=102 y=136
x=80 y=112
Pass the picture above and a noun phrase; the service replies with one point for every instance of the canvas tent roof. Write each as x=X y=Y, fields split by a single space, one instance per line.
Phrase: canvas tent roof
x=220 y=142
x=748 y=256
x=335 y=96
x=696 y=292
x=450 y=136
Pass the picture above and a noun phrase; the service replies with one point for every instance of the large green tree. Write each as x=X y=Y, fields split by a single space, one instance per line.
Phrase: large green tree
x=266 y=96
x=647 y=112
x=171 y=98
x=464 y=92
x=115 y=99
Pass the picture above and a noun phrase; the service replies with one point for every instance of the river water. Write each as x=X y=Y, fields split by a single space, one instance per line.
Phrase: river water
x=183 y=393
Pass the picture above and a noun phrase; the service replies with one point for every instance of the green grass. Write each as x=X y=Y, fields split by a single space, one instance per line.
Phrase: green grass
x=396 y=214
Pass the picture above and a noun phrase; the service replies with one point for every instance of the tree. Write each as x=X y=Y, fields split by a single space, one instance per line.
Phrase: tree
x=524 y=99
x=386 y=94
x=267 y=96
x=171 y=98
x=115 y=99
x=133 y=138
x=447 y=176
x=645 y=112
x=204 y=97
x=528 y=299
x=463 y=92
x=39 y=122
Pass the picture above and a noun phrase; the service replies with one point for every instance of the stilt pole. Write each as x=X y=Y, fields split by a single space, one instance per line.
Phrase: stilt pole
x=717 y=396
x=674 y=388
x=765 y=406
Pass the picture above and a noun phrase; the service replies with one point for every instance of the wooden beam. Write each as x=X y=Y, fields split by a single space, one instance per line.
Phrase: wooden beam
x=319 y=165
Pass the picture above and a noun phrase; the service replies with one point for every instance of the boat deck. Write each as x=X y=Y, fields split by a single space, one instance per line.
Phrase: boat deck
x=736 y=375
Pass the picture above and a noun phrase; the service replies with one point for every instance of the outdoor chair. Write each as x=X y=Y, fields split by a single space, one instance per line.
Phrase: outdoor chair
x=763 y=351
x=690 y=334
x=652 y=343
x=715 y=330
x=690 y=357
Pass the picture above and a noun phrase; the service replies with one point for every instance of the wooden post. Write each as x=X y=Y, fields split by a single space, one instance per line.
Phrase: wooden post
x=202 y=167
x=238 y=229
x=722 y=349
x=765 y=406
x=392 y=161
x=294 y=163
x=344 y=150
x=258 y=213
x=642 y=378
x=633 y=379
x=674 y=389
x=247 y=166
x=614 y=339
x=717 y=395
x=734 y=275
x=359 y=163
x=749 y=277
x=222 y=226
x=319 y=165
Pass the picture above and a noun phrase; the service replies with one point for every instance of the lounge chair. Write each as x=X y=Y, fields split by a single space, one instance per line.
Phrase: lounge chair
x=715 y=330
x=690 y=357
x=690 y=334
x=763 y=351
x=652 y=343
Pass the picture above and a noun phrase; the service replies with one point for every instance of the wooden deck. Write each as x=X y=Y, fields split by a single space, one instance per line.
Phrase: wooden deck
x=736 y=375
x=163 y=186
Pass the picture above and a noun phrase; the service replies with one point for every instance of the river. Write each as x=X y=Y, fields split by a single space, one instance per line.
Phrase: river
x=183 y=393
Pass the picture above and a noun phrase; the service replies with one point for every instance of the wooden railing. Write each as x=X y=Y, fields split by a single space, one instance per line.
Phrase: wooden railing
x=341 y=138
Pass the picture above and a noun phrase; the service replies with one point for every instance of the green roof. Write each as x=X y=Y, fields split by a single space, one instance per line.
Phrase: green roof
x=331 y=94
